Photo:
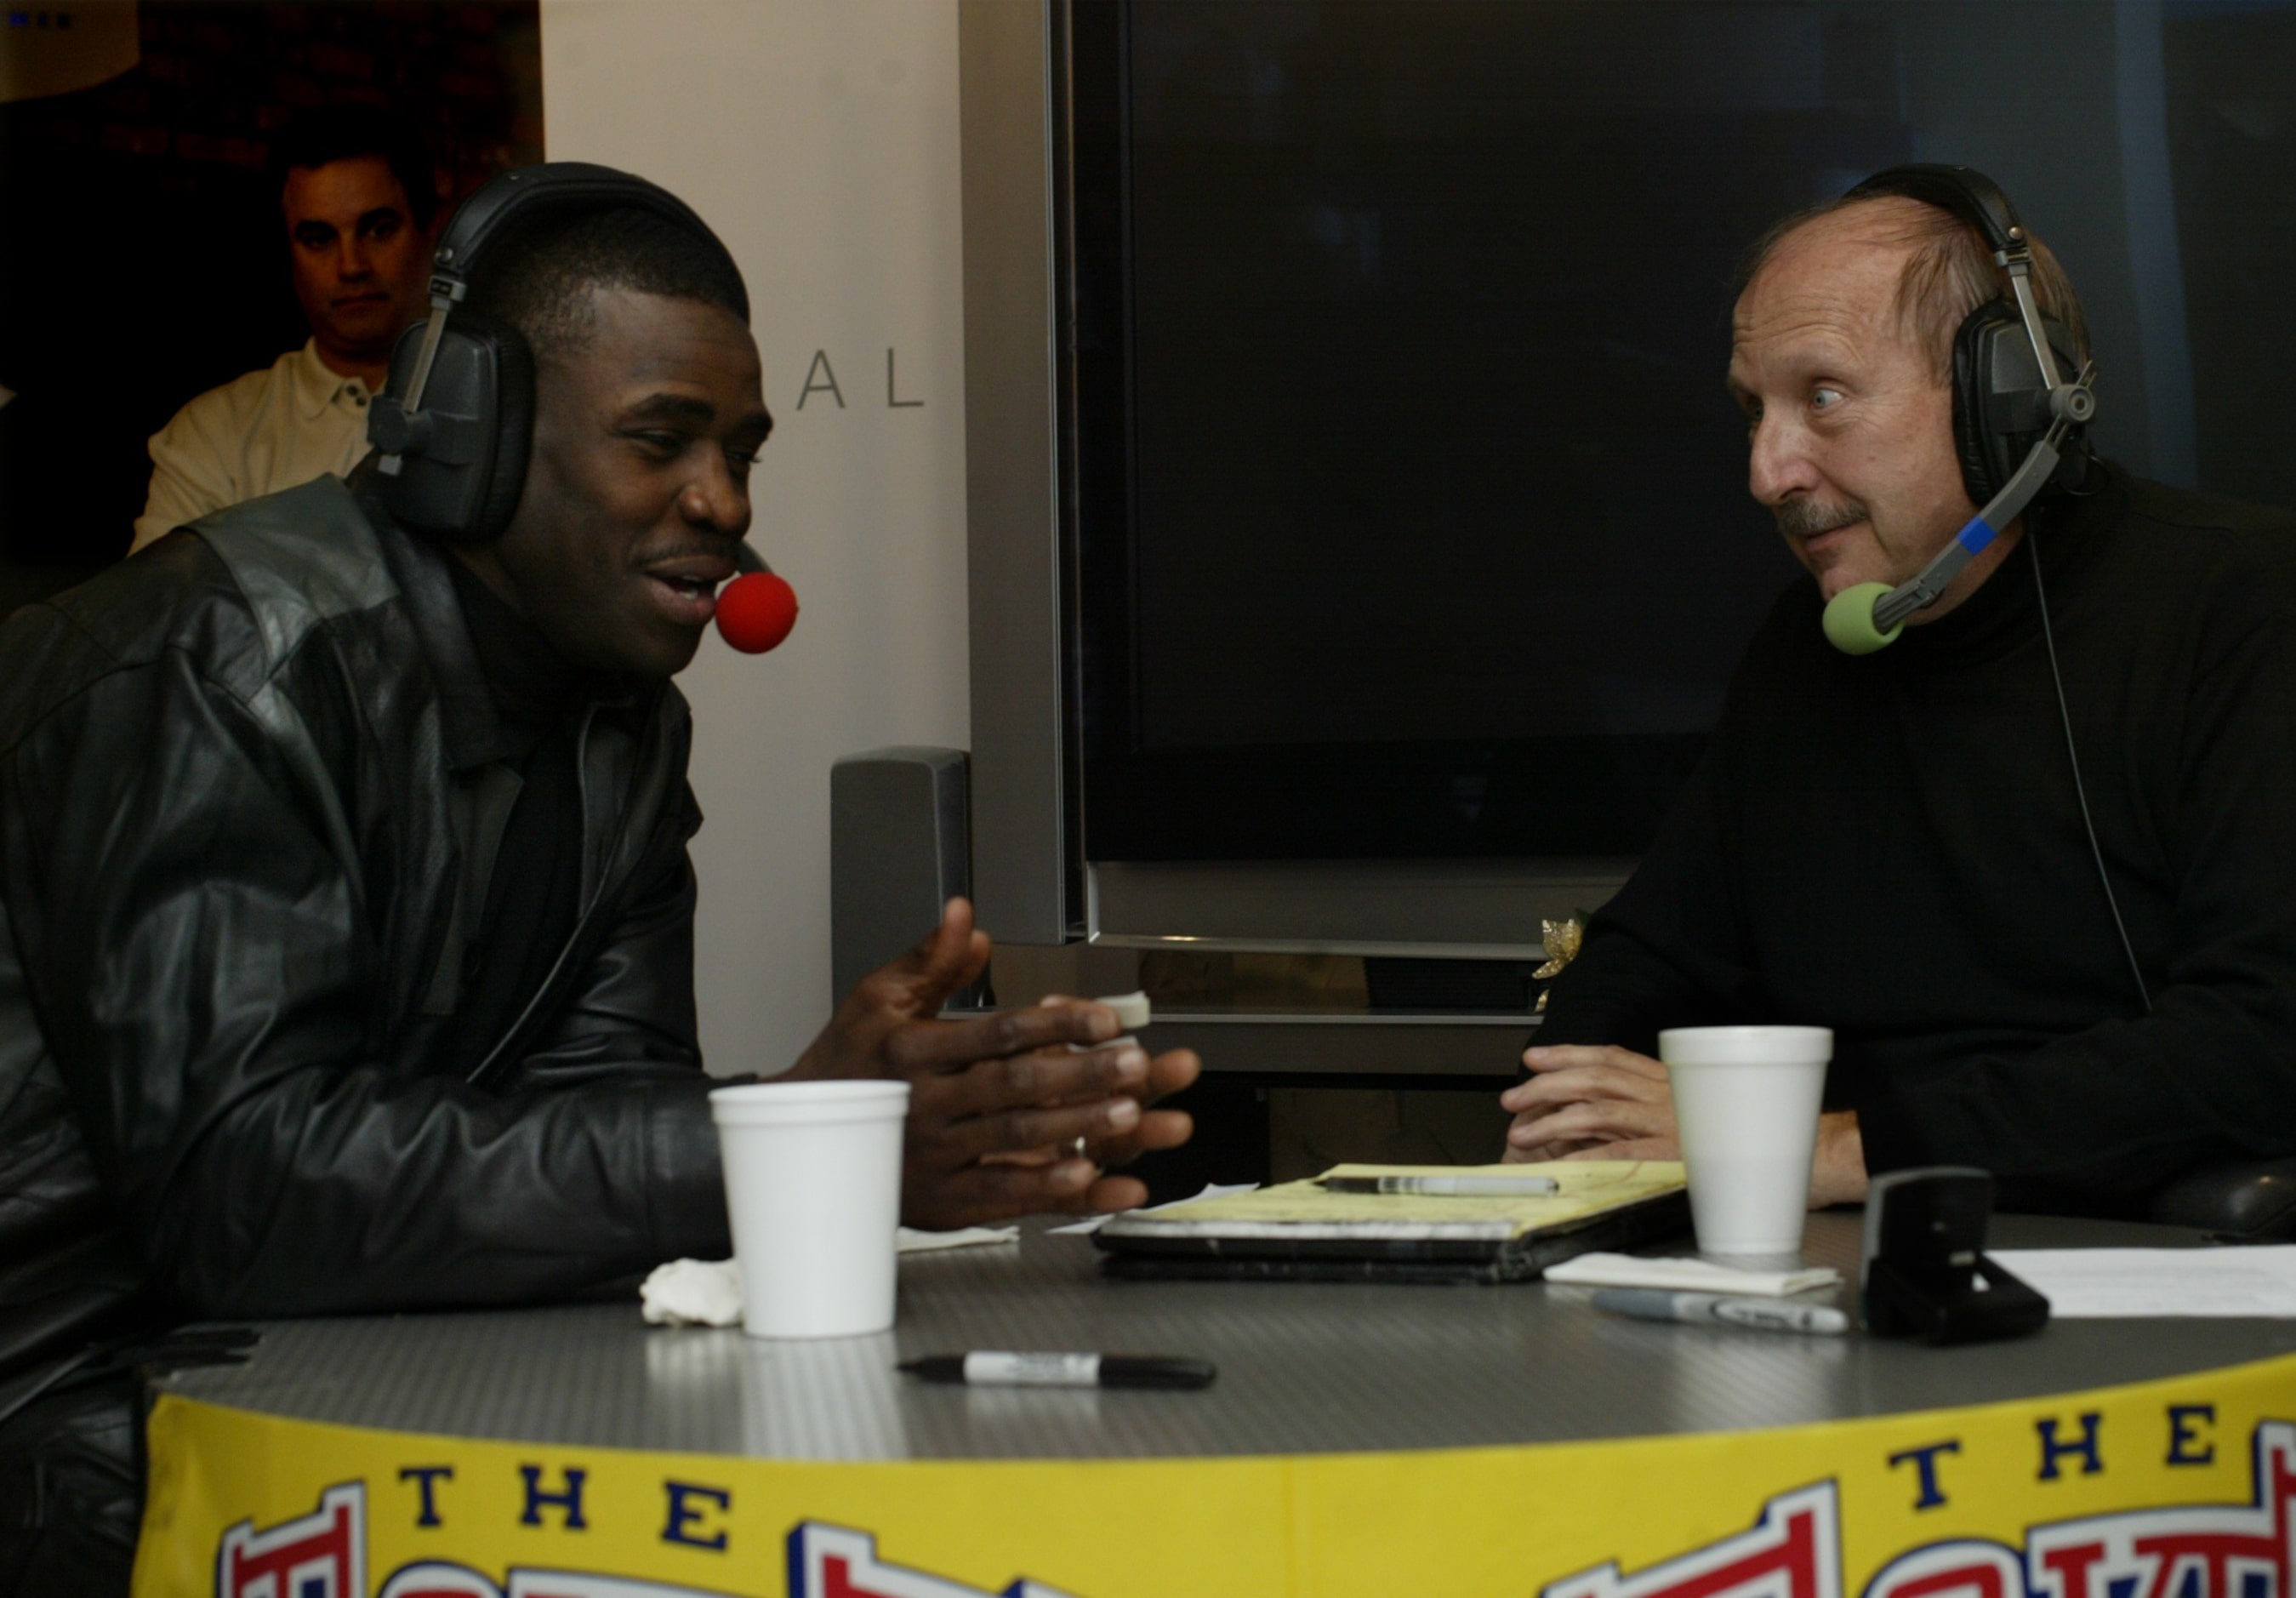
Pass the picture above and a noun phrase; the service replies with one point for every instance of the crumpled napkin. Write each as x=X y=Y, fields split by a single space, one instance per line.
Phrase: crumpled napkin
x=707 y=1292
x=692 y=1292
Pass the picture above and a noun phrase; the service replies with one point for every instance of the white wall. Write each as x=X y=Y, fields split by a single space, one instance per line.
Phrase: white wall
x=819 y=138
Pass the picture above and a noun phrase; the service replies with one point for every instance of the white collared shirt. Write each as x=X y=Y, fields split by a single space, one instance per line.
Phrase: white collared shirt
x=277 y=428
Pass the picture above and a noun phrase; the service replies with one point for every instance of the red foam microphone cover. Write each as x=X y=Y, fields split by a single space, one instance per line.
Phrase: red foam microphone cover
x=755 y=611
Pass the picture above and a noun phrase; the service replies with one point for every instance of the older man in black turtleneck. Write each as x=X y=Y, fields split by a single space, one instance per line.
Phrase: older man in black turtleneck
x=1894 y=845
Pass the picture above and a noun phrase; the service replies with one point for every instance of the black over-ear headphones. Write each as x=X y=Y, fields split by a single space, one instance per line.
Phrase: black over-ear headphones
x=2002 y=374
x=2022 y=403
x=455 y=420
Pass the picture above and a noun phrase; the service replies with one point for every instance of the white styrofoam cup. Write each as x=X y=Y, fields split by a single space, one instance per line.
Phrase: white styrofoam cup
x=1745 y=1105
x=813 y=1188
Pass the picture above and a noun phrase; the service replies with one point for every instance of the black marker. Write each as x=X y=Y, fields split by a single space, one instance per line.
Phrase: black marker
x=1763 y=1315
x=996 y=1368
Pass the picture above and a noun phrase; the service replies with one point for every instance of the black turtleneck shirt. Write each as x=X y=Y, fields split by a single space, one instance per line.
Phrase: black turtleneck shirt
x=1892 y=845
x=533 y=892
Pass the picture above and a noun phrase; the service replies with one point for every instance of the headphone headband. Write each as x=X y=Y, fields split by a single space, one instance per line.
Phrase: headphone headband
x=1965 y=190
x=538 y=190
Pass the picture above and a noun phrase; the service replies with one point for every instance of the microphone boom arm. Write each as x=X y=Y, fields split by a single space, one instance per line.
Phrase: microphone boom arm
x=1930 y=583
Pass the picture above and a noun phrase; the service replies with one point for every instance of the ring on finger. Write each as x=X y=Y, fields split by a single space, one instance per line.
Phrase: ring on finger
x=1076 y=1148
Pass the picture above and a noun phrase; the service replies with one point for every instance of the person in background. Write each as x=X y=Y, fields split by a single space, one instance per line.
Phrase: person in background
x=358 y=198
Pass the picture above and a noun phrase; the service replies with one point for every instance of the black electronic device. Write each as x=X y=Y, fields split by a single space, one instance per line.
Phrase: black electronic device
x=1922 y=1272
x=900 y=849
x=455 y=419
x=1376 y=535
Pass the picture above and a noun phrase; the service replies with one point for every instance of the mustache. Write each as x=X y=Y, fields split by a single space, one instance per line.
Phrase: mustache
x=1807 y=518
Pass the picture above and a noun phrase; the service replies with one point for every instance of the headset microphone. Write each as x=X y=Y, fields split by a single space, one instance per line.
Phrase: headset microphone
x=2007 y=385
x=757 y=610
x=1869 y=615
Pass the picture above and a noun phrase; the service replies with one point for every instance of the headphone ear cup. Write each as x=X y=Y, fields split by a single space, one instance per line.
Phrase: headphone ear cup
x=514 y=431
x=2000 y=405
x=462 y=462
x=1977 y=447
x=463 y=459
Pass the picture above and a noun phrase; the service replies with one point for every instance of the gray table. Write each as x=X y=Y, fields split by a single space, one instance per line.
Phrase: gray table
x=1303 y=1368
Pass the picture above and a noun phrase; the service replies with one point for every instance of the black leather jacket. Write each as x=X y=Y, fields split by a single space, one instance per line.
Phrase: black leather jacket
x=249 y=790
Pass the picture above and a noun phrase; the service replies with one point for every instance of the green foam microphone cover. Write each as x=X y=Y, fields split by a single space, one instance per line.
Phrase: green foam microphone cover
x=1850 y=620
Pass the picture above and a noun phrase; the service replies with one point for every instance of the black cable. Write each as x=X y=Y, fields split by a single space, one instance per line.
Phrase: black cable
x=2072 y=756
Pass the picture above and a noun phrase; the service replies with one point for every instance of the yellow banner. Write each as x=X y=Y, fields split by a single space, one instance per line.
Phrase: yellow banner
x=2184 y=1488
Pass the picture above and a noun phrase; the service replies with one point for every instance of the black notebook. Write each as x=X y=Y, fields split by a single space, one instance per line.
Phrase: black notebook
x=1302 y=1232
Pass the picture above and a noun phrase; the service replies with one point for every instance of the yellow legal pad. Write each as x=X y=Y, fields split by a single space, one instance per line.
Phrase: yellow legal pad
x=1299 y=1231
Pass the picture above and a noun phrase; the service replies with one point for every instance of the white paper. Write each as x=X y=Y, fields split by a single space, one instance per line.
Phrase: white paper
x=1132 y=1009
x=1212 y=1189
x=912 y=1241
x=1132 y=1013
x=1686 y=1275
x=2101 y=1284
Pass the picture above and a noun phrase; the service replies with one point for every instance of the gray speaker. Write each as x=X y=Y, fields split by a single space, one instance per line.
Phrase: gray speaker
x=900 y=846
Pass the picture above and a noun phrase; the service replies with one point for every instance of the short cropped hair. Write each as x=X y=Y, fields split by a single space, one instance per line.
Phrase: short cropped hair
x=538 y=277
x=332 y=132
x=1950 y=273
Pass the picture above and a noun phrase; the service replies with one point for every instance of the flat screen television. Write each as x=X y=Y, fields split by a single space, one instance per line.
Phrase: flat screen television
x=1361 y=544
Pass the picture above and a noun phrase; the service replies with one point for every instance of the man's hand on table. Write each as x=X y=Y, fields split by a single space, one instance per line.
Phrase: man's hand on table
x=1591 y=1103
x=997 y=1104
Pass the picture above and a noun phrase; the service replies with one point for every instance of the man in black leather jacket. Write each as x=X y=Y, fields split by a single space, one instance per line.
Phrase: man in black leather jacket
x=346 y=921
